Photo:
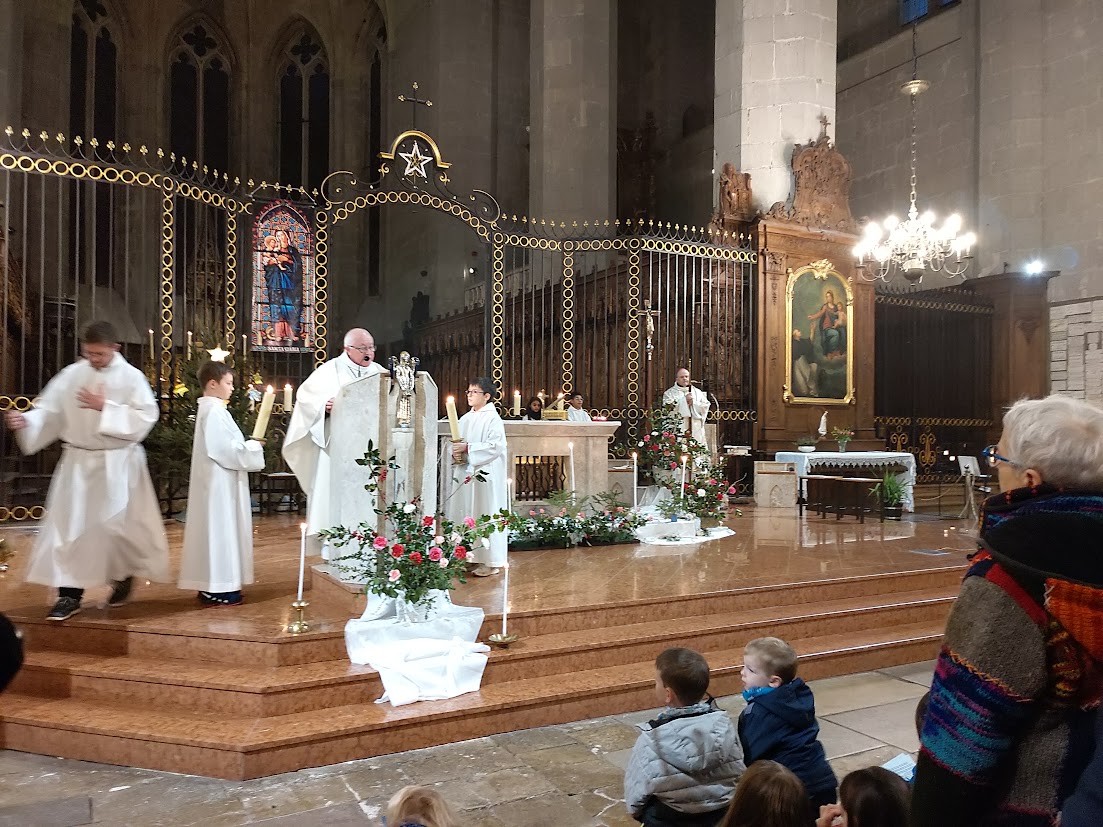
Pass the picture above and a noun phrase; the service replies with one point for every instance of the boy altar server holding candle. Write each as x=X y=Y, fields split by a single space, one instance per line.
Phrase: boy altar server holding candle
x=103 y=523
x=218 y=534
x=482 y=447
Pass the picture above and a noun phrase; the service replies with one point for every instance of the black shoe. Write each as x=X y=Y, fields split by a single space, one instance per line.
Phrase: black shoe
x=221 y=598
x=120 y=593
x=64 y=609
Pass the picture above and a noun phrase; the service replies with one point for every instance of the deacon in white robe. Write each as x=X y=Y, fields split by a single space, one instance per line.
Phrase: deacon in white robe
x=218 y=534
x=482 y=447
x=692 y=404
x=103 y=523
x=306 y=446
x=575 y=411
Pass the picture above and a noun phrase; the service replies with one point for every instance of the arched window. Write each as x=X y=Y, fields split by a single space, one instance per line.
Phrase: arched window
x=93 y=72
x=375 y=146
x=304 y=110
x=199 y=97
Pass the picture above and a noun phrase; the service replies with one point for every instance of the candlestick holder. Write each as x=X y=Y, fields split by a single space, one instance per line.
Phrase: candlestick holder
x=298 y=625
x=502 y=641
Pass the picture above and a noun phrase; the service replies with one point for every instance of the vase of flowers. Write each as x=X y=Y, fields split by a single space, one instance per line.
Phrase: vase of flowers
x=842 y=436
x=416 y=556
x=664 y=446
x=806 y=444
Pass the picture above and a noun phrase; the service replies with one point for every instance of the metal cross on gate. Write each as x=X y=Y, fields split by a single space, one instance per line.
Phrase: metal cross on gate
x=414 y=102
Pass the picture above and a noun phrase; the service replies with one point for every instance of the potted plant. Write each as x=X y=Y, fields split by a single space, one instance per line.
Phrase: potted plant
x=890 y=491
x=611 y=522
x=842 y=436
x=806 y=444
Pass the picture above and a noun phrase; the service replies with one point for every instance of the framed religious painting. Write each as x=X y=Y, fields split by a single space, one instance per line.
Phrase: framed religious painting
x=819 y=354
x=283 y=279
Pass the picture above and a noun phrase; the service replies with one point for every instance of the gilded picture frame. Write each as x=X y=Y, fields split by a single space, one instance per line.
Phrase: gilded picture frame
x=819 y=334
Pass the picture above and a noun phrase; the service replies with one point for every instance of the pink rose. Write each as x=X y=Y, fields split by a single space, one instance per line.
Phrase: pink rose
x=673 y=465
x=415 y=557
x=435 y=554
x=647 y=437
x=712 y=482
x=542 y=511
x=394 y=575
x=469 y=522
x=731 y=489
x=380 y=542
x=532 y=512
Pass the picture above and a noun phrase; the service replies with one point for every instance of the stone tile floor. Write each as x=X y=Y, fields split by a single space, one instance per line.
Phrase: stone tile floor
x=567 y=776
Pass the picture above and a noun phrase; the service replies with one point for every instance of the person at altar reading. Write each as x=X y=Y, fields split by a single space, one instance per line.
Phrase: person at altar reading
x=306 y=446
x=482 y=447
x=535 y=408
x=218 y=535
x=692 y=404
x=575 y=411
x=103 y=523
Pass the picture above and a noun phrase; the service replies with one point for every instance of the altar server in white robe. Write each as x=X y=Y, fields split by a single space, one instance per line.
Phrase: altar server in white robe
x=103 y=524
x=692 y=404
x=306 y=446
x=575 y=411
x=218 y=535
x=482 y=447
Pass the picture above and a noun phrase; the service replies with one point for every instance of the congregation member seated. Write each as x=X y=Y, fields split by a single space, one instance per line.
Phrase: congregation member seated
x=419 y=807
x=768 y=795
x=685 y=764
x=873 y=797
x=779 y=722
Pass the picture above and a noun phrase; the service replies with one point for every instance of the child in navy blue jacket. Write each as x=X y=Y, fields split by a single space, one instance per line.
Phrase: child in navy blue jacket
x=779 y=722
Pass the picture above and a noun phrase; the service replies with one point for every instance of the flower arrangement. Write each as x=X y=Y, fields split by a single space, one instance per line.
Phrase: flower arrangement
x=842 y=435
x=807 y=441
x=663 y=448
x=569 y=521
x=416 y=554
x=704 y=498
x=610 y=521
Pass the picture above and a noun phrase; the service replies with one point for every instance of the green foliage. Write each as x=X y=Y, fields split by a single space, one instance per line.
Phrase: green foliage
x=889 y=489
x=807 y=440
x=169 y=445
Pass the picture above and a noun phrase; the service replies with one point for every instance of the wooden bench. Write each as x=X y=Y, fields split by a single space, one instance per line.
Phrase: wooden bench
x=840 y=496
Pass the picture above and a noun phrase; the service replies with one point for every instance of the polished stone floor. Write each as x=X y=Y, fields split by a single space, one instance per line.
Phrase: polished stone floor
x=566 y=776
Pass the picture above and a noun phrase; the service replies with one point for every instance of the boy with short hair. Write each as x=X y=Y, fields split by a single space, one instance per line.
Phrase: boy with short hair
x=686 y=763
x=218 y=534
x=779 y=722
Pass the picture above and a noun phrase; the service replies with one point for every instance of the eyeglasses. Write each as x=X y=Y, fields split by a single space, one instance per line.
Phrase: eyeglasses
x=994 y=458
x=482 y=392
x=362 y=348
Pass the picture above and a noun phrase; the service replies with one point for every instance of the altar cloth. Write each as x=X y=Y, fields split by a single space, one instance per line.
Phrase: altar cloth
x=805 y=463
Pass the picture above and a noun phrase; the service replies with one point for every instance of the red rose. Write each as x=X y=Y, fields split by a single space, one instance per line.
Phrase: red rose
x=720 y=496
x=426 y=521
x=383 y=475
x=415 y=557
x=435 y=554
x=398 y=549
x=673 y=465
x=460 y=553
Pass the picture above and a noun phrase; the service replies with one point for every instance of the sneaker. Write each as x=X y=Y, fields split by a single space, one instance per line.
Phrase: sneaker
x=120 y=593
x=221 y=598
x=64 y=609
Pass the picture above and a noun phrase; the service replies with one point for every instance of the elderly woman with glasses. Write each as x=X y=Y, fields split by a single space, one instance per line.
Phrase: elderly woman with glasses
x=1009 y=727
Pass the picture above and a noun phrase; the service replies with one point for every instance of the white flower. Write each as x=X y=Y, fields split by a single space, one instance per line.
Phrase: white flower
x=444 y=562
x=408 y=508
x=654 y=433
x=439 y=541
x=394 y=575
x=700 y=492
x=641 y=443
x=456 y=537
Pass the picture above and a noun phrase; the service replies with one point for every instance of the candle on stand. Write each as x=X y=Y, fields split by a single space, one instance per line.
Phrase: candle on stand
x=189 y=344
x=509 y=493
x=505 y=599
x=287 y=399
x=516 y=403
x=570 y=449
x=265 y=412
x=684 y=460
x=302 y=559
x=453 y=419
x=540 y=396
x=244 y=344
x=635 y=476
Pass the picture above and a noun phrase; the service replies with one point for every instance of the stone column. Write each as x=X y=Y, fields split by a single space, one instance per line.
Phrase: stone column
x=11 y=63
x=572 y=158
x=775 y=79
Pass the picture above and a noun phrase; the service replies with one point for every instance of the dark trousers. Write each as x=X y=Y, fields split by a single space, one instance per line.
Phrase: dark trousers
x=657 y=814
x=69 y=591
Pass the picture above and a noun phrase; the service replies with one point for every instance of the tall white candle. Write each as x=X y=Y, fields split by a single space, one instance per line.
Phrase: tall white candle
x=505 y=600
x=151 y=351
x=516 y=403
x=684 y=460
x=302 y=559
x=509 y=493
x=244 y=344
x=265 y=412
x=189 y=344
x=570 y=448
x=635 y=477
x=287 y=399
x=453 y=418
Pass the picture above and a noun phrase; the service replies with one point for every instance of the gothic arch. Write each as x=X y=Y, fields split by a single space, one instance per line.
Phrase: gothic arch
x=301 y=76
x=173 y=44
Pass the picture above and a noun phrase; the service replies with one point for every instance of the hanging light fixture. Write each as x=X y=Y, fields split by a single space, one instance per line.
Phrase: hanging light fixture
x=914 y=245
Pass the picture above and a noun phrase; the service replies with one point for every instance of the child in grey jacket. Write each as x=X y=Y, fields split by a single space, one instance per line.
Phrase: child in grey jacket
x=686 y=763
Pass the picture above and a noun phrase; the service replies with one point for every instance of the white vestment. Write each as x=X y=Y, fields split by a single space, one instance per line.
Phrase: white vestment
x=306 y=446
x=485 y=436
x=577 y=415
x=693 y=415
x=103 y=522
x=218 y=535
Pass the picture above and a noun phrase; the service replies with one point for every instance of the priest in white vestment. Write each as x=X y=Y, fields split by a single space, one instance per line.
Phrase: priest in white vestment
x=575 y=411
x=482 y=447
x=692 y=404
x=103 y=524
x=306 y=446
x=218 y=535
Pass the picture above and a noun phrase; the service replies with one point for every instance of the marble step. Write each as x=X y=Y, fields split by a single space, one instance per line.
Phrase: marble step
x=227 y=746
x=269 y=691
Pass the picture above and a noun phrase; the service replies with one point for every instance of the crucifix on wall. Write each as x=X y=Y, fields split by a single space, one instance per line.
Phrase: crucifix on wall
x=415 y=102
